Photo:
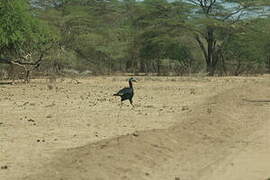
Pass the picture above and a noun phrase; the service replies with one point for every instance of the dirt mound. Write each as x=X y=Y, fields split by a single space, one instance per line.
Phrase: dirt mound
x=188 y=150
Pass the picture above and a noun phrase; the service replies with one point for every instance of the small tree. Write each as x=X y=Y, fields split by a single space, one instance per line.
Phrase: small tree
x=246 y=51
x=159 y=25
x=22 y=35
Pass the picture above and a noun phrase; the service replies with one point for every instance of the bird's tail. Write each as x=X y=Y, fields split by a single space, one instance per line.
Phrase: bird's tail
x=115 y=94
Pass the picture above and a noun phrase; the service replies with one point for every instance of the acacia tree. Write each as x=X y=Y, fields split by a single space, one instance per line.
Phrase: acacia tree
x=22 y=34
x=130 y=35
x=93 y=31
x=214 y=17
x=248 y=51
x=159 y=26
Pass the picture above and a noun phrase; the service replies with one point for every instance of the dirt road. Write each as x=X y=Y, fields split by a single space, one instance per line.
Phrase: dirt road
x=180 y=128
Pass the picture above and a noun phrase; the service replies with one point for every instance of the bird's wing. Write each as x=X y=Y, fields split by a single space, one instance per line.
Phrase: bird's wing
x=124 y=91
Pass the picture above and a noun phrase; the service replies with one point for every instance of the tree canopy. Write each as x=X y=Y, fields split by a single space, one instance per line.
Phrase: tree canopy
x=150 y=36
x=20 y=31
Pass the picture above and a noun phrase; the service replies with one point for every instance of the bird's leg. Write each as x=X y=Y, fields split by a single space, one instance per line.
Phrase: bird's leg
x=131 y=102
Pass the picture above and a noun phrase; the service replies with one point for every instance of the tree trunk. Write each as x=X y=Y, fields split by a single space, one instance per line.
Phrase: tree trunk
x=210 y=69
x=209 y=53
x=211 y=58
x=142 y=66
x=158 y=67
x=223 y=64
x=268 y=63
x=238 y=68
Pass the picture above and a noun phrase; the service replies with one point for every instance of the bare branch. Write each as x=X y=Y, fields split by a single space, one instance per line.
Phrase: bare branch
x=233 y=13
x=195 y=2
x=209 y=8
x=29 y=63
x=5 y=60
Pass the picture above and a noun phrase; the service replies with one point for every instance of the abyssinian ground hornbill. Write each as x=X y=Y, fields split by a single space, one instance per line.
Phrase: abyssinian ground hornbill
x=127 y=93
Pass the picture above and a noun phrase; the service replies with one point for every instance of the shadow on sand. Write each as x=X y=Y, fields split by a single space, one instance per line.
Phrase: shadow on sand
x=257 y=100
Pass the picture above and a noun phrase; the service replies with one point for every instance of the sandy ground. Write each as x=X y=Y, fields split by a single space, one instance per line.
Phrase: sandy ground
x=180 y=128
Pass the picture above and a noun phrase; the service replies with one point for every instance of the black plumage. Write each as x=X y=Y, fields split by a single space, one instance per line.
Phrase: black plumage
x=127 y=93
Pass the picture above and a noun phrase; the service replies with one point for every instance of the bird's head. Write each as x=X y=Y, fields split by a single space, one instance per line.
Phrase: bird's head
x=132 y=80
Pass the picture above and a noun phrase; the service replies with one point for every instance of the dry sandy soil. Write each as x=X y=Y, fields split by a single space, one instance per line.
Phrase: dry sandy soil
x=189 y=128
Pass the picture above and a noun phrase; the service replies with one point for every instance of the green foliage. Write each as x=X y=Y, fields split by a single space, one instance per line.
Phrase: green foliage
x=20 y=31
x=157 y=45
x=141 y=36
x=219 y=26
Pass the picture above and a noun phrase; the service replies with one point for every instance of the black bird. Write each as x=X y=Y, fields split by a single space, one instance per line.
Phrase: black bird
x=127 y=93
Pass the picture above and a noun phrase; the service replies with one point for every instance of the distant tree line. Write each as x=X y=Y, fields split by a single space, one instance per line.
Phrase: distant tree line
x=218 y=37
